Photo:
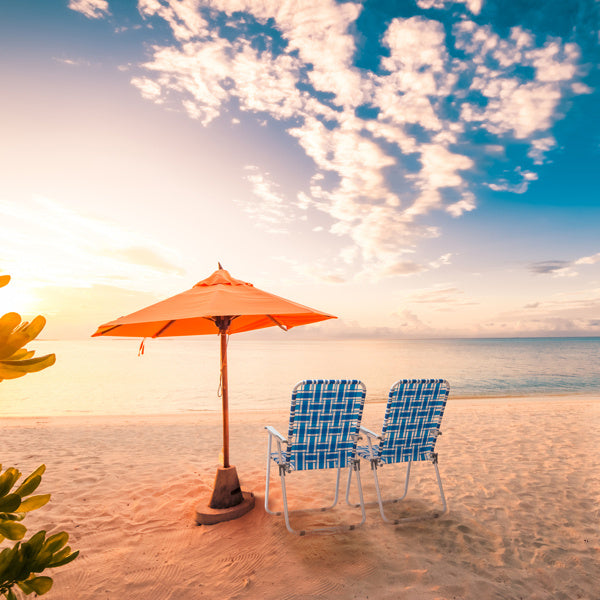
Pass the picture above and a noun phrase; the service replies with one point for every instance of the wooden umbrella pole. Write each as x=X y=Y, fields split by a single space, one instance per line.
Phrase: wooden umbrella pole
x=227 y=500
x=224 y=393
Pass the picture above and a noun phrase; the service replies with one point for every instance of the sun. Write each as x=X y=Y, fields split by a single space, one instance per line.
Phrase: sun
x=17 y=298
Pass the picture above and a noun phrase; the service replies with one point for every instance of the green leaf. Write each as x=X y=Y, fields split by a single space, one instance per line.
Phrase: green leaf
x=58 y=556
x=11 y=595
x=14 y=568
x=12 y=530
x=41 y=561
x=59 y=562
x=6 y=557
x=29 y=486
x=36 y=542
x=37 y=473
x=40 y=585
x=10 y=503
x=8 y=479
x=33 y=503
x=56 y=541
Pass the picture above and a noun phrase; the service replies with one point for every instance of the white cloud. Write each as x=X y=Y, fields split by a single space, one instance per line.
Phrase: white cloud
x=588 y=260
x=473 y=5
x=581 y=88
x=554 y=62
x=514 y=105
x=539 y=148
x=519 y=187
x=92 y=9
x=521 y=108
x=445 y=259
x=269 y=209
x=424 y=115
x=440 y=166
x=318 y=31
x=418 y=71
x=195 y=70
x=151 y=90
x=562 y=268
x=183 y=17
x=465 y=204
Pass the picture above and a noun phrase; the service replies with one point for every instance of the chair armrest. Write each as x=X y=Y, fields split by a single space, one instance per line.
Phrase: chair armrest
x=369 y=432
x=272 y=431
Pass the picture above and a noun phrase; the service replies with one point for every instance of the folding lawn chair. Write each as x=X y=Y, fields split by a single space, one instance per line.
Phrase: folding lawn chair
x=323 y=431
x=410 y=429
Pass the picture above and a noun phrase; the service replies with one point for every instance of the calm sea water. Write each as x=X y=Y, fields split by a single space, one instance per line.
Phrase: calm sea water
x=106 y=376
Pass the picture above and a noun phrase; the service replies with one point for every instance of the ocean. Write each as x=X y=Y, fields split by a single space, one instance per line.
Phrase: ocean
x=105 y=376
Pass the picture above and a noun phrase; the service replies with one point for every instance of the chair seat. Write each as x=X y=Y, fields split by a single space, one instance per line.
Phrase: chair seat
x=332 y=460
x=399 y=455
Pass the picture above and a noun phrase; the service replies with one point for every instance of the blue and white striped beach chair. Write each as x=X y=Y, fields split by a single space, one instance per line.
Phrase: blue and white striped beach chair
x=323 y=432
x=410 y=429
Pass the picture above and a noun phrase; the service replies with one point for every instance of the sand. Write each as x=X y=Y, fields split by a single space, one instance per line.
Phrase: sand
x=522 y=479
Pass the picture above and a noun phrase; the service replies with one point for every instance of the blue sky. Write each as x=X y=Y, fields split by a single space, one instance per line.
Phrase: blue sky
x=418 y=168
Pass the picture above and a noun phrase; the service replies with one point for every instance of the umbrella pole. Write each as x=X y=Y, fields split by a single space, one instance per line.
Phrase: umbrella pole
x=227 y=501
x=224 y=392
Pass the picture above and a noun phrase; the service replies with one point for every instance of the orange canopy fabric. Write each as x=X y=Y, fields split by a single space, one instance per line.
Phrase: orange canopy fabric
x=194 y=311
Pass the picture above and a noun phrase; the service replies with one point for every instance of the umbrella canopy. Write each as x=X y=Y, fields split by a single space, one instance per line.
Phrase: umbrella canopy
x=203 y=309
x=219 y=304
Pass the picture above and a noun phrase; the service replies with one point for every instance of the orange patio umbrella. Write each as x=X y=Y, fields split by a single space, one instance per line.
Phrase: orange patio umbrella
x=219 y=305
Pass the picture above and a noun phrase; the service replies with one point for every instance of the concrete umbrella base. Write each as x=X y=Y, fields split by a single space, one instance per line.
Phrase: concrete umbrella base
x=228 y=502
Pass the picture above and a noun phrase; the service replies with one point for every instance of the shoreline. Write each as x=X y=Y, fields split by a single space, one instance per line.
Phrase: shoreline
x=562 y=399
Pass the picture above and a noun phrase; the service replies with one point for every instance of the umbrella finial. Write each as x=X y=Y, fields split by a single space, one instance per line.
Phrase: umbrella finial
x=220 y=266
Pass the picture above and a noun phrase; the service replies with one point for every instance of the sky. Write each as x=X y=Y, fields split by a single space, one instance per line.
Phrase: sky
x=418 y=168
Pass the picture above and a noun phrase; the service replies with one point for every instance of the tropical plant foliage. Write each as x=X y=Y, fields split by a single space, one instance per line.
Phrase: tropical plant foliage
x=16 y=361
x=20 y=565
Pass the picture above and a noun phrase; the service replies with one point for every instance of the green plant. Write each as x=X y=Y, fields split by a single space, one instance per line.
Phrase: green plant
x=16 y=361
x=20 y=565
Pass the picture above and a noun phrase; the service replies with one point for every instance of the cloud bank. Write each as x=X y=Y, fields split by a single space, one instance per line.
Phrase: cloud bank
x=392 y=143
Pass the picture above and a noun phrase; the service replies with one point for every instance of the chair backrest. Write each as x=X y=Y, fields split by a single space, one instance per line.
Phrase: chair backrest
x=324 y=422
x=412 y=419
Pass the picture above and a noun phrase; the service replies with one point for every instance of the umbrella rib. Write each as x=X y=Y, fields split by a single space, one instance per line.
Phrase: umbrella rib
x=110 y=329
x=164 y=327
x=281 y=325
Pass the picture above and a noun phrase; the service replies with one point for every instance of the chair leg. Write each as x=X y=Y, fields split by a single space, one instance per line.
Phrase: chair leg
x=285 y=507
x=268 y=481
x=378 y=491
x=409 y=519
x=287 y=512
x=356 y=466
x=439 y=480
x=348 y=489
x=376 y=502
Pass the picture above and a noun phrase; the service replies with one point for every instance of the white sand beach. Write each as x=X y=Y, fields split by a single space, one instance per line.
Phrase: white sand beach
x=522 y=479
